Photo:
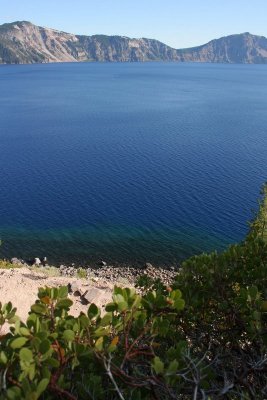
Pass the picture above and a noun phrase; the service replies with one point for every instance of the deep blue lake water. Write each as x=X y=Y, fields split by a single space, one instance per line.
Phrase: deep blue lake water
x=129 y=162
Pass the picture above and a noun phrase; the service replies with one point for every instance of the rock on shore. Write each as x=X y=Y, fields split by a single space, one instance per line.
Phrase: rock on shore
x=93 y=284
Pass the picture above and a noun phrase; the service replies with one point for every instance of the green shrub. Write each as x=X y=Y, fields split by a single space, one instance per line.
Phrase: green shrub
x=124 y=354
x=82 y=273
x=203 y=338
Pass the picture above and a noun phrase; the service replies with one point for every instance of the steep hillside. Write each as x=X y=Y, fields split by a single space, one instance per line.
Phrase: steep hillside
x=243 y=48
x=23 y=42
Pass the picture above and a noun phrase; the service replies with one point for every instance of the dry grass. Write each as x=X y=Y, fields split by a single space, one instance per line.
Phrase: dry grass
x=7 y=265
x=48 y=271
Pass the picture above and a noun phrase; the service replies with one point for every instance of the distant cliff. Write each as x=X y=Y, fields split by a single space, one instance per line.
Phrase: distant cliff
x=23 y=42
x=243 y=48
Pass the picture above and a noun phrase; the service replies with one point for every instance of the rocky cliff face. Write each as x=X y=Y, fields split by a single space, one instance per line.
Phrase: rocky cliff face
x=243 y=48
x=119 y=48
x=23 y=42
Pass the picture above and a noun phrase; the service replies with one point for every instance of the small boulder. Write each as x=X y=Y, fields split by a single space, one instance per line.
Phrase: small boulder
x=45 y=261
x=148 y=266
x=75 y=288
x=91 y=295
x=102 y=263
x=37 y=261
x=16 y=261
x=67 y=271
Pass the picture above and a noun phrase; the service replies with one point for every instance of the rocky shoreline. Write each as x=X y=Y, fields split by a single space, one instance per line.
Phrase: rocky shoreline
x=104 y=272
x=20 y=281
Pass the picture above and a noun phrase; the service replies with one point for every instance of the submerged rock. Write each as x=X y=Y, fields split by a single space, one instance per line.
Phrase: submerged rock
x=102 y=263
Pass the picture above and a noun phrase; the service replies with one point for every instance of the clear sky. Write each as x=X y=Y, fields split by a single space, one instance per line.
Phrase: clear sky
x=178 y=23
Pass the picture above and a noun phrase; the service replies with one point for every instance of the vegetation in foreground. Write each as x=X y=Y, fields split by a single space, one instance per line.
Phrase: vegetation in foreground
x=203 y=338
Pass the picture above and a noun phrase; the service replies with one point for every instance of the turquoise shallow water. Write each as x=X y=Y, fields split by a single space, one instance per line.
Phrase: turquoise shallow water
x=129 y=162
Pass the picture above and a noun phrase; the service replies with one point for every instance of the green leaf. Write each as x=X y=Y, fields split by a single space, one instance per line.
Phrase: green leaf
x=43 y=292
x=18 y=342
x=54 y=293
x=172 y=368
x=44 y=346
x=160 y=300
x=25 y=354
x=93 y=311
x=179 y=304
x=161 y=326
x=99 y=343
x=68 y=335
x=46 y=373
x=24 y=331
x=110 y=307
x=7 y=307
x=63 y=292
x=102 y=332
x=137 y=301
x=26 y=386
x=176 y=294
x=106 y=320
x=117 y=290
x=53 y=362
x=31 y=372
x=42 y=386
x=39 y=308
x=3 y=358
x=35 y=343
x=42 y=335
x=253 y=291
x=13 y=320
x=120 y=301
x=256 y=315
x=54 y=335
x=158 y=365
x=14 y=393
x=264 y=306
x=64 y=303
x=84 y=321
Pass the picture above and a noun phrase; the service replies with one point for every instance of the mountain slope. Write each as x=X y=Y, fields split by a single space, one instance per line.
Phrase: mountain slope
x=23 y=42
x=242 y=48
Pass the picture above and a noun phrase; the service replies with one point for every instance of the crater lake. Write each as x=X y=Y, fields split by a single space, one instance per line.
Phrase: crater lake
x=129 y=162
